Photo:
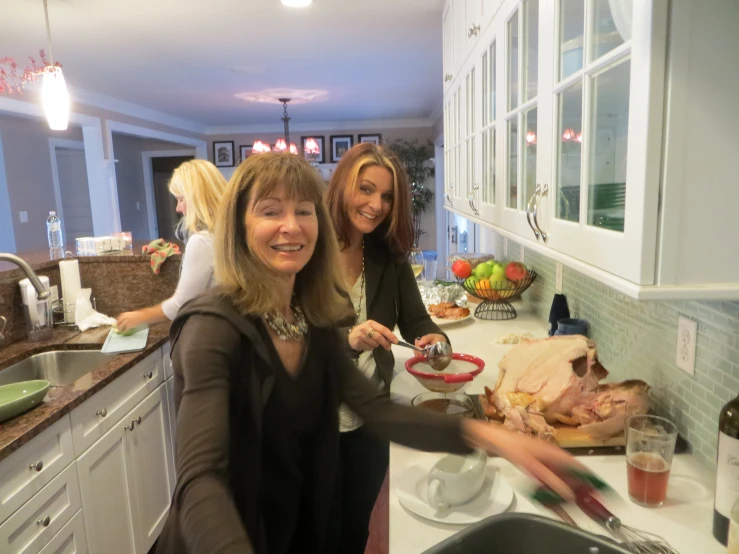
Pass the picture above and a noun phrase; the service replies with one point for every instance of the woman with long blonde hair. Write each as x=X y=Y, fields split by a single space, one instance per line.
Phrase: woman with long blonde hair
x=198 y=187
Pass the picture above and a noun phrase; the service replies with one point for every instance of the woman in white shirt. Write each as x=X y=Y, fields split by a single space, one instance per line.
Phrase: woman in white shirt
x=198 y=187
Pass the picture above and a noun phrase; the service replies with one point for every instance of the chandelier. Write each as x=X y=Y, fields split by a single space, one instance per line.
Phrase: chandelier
x=282 y=143
x=310 y=149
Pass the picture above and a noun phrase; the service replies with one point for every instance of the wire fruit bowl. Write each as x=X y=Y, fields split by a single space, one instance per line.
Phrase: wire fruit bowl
x=495 y=303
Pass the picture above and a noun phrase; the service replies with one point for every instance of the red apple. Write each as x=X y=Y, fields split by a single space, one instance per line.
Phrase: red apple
x=515 y=271
x=462 y=269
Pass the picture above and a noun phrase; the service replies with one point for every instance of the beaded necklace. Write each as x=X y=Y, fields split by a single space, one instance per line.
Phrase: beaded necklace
x=288 y=331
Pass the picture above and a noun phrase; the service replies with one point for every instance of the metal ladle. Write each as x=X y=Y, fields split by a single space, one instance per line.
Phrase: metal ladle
x=438 y=355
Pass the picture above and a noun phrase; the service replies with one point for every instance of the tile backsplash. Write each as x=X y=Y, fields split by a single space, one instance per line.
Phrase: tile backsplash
x=638 y=339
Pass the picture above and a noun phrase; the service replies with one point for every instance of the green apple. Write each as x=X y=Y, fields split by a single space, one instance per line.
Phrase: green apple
x=483 y=271
x=491 y=262
x=471 y=282
x=498 y=270
x=498 y=281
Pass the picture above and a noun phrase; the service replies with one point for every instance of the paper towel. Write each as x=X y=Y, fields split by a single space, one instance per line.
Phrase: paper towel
x=70 y=275
x=86 y=316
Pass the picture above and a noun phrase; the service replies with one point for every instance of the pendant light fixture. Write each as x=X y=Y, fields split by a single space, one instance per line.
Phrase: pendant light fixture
x=54 y=94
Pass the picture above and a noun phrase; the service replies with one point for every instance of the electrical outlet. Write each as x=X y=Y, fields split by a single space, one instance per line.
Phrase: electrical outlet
x=687 y=336
x=520 y=255
x=560 y=271
x=24 y=217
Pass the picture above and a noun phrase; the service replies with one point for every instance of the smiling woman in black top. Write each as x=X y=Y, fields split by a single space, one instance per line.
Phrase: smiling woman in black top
x=369 y=200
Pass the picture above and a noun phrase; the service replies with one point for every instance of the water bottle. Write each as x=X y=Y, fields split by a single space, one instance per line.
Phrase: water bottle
x=54 y=230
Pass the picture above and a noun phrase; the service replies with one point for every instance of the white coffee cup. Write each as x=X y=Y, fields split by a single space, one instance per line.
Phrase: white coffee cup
x=456 y=479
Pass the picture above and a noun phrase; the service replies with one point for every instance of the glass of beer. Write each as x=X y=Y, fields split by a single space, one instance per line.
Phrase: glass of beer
x=650 y=445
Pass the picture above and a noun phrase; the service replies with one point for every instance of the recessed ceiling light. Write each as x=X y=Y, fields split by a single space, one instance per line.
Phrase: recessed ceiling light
x=297 y=3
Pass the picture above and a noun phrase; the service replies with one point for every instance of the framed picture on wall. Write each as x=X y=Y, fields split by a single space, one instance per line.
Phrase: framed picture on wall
x=223 y=153
x=374 y=139
x=339 y=146
x=245 y=151
x=321 y=147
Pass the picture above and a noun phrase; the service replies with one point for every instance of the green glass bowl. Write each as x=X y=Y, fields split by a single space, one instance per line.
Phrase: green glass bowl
x=17 y=398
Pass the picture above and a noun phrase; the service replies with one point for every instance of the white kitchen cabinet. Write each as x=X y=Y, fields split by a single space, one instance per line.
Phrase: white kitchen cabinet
x=108 y=501
x=70 y=540
x=42 y=517
x=488 y=9
x=131 y=463
x=28 y=470
x=153 y=464
x=169 y=385
x=447 y=24
x=602 y=151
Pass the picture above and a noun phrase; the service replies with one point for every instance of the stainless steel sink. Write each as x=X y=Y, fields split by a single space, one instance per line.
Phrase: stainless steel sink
x=59 y=367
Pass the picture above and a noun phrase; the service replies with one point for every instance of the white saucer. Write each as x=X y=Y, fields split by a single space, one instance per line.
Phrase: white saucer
x=495 y=497
x=443 y=322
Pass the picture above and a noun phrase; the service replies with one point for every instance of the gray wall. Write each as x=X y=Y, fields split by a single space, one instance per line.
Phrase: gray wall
x=129 y=172
x=30 y=188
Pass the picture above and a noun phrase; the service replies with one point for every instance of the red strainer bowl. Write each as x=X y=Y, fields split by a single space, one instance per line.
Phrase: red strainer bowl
x=462 y=370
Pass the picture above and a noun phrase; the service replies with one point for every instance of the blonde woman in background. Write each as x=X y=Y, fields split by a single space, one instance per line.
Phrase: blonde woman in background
x=198 y=187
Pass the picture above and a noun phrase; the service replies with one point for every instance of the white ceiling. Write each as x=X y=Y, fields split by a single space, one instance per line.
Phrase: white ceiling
x=377 y=59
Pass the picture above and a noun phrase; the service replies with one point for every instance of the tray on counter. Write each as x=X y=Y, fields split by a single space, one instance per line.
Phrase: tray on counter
x=580 y=444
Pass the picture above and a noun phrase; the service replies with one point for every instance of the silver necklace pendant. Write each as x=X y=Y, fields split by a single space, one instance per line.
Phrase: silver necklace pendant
x=285 y=330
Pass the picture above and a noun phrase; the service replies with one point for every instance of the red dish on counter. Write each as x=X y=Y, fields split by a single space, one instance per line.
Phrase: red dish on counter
x=463 y=369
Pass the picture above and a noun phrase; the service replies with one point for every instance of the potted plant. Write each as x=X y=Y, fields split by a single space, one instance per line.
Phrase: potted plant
x=417 y=159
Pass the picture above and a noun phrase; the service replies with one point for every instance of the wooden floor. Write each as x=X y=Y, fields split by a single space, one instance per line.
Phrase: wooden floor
x=379 y=538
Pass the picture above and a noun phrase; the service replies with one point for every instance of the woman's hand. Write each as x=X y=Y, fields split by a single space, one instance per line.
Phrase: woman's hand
x=541 y=460
x=425 y=340
x=369 y=335
x=129 y=320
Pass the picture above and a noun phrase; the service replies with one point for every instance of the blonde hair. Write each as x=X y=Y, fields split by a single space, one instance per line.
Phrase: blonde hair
x=397 y=230
x=202 y=185
x=244 y=278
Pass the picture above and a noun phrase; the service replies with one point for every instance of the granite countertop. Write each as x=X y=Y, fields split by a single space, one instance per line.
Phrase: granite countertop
x=40 y=259
x=16 y=432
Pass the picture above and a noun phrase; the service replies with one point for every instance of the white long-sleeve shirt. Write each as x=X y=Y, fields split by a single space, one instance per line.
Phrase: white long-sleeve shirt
x=196 y=275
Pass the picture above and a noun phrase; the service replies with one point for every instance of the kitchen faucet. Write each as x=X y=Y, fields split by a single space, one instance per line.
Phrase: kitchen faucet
x=41 y=292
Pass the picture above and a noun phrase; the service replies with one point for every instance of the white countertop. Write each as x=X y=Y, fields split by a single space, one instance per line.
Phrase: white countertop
x=685 y=520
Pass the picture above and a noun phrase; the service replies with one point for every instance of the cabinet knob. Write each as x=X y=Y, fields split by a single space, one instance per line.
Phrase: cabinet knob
x=102 y=413
x=138 y=420
x=448 y=77
x=148 y=375
x=473 y=30
x=129 y=427
x=38 y=466
x=43 y=521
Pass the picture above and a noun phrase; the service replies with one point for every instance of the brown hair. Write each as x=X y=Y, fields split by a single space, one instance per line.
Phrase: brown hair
x=397 y=230
x=243 y=277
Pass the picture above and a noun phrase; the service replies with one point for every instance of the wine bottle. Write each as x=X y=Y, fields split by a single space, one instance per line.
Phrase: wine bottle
x=727 y=469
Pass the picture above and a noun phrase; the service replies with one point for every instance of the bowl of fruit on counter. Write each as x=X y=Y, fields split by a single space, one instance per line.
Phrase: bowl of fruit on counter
x=495 y=283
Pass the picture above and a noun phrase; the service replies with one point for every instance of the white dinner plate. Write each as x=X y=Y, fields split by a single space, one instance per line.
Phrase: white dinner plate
x=447 y=322
x=495 y=497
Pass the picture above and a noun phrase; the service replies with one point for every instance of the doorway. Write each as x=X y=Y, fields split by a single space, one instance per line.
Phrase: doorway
x=166 y=216
x=71 y=189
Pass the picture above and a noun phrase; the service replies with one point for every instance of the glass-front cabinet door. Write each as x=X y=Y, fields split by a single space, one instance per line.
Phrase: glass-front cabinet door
x=522 y=120
x=485 y=201
x=606 y=94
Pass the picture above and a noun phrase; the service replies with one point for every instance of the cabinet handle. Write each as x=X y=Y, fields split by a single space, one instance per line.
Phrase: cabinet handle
x=544 y=191
x=138 y=420
x=102 y=413
x=473 y=30
x=148 y=375
x=448 y=77
x=475 y=188
x=528 y=211
x=449 y=199
x=43 y=521
x=38 y=466
x=129 y=427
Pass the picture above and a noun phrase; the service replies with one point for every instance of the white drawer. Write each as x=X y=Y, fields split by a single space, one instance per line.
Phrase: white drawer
x=166 y=351
x=70 y=540
x=27 y=470
x=96 y=415
x=42 y=517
